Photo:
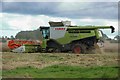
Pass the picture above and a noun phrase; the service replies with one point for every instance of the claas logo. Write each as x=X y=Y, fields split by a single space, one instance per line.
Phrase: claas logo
x=59 y=28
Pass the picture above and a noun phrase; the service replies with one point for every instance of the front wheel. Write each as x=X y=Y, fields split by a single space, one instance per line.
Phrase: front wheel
x=57 y=50
x=53 y=50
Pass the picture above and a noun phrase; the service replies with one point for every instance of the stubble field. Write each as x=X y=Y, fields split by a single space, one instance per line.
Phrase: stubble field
x=62 y=65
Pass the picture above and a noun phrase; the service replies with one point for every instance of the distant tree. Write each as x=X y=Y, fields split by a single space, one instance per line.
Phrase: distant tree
x=29 y=35
x=6 y=37
x=12 y=37
x=3 y=39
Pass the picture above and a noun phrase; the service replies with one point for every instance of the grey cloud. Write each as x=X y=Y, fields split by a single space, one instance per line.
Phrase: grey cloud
x=94 y=10
x=101 y=10
x=32 y=8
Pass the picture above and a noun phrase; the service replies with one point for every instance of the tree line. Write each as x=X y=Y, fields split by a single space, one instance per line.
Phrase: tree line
x=37 y=35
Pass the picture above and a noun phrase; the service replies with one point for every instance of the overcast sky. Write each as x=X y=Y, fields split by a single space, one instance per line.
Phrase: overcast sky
x=17 y=16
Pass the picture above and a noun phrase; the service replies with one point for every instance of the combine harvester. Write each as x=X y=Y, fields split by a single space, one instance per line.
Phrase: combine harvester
x=62 y=37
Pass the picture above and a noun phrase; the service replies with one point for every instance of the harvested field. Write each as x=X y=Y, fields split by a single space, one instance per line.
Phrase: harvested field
x=41 y=61
x=13 y=60
x=13 y=63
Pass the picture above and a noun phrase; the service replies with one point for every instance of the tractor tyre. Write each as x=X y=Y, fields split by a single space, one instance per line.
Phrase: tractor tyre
x=79 y=49
x=53 y=50
x=53 y=46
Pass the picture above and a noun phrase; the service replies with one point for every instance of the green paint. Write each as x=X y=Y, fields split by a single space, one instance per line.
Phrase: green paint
x=74 y=36
x=97 y=34
x=43 y=45
x=30 y=48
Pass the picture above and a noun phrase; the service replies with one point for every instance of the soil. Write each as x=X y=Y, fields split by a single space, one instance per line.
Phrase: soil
x=108 y=57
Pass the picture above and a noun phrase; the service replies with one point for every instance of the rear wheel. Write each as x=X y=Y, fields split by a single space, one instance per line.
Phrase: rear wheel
x=79 y=48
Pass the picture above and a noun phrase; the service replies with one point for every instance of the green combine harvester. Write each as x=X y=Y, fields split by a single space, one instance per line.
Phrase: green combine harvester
x=62 y=37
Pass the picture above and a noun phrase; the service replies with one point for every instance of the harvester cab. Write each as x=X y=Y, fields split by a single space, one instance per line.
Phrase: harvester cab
x=45 y=32
x=53 y=31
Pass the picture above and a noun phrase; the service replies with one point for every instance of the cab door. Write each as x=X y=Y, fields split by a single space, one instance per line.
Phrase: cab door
x=45 y=35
